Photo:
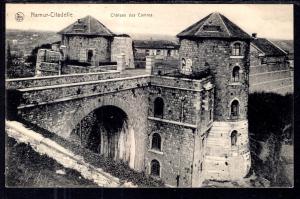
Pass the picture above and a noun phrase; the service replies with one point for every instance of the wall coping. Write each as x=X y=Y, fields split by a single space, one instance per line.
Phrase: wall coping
x=57 y=76
x=270 y=72
x=182 y=79
x=192 y=126
x=179 y=88
x=81 y=83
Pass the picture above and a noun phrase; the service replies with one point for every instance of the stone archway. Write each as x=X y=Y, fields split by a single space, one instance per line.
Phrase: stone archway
x=106 y=130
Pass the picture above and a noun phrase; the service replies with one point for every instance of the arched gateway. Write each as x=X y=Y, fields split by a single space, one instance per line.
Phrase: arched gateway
x=106 y=130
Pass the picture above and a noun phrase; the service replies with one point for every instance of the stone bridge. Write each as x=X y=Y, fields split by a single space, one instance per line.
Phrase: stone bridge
x=115 y=114
x=59 y=104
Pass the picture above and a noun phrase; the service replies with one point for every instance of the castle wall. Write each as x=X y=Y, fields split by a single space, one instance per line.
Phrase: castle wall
x=176 y=157
x=181 y=128
x=78 y=46
x=270 y=74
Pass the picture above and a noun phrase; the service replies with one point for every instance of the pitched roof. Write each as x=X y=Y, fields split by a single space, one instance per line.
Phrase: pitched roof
x=286 y=45
x=267 y=47
x=155 y=44
x=215 y=25
x=87 y=26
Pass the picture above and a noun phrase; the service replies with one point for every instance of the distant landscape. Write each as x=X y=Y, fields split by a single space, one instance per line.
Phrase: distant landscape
x=22 y=46
x=27 y=40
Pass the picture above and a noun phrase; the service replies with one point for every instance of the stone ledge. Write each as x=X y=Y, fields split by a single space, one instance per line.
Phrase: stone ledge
x=235 y=84
x=60 y=76
x=81 y=83
x=173 y=87
x=156 y=152
x=236 y=57
x=192 y=126
x=71 y=98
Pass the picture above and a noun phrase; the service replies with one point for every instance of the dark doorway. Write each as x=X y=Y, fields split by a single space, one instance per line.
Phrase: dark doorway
x=90 y=55
x=169 y=53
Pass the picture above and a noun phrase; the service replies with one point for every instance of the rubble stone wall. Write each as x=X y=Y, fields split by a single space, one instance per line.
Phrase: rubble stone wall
x=270 y=74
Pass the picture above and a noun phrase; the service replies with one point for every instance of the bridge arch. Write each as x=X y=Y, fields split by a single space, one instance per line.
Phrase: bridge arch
x=107 y=127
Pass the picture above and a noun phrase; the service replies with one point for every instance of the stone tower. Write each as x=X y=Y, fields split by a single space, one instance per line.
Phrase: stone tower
x=87 y=40
x=217 y=44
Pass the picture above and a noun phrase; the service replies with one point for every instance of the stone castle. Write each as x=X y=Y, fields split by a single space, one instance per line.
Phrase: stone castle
x=181 y=127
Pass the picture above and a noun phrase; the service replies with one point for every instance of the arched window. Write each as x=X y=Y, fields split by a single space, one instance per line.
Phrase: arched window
x=233 y=137
x=158 y=107
x=236 y=74
x=156 y=142
x=234 y=108
x=236 y=50
x=183 y=63
x=155 y=168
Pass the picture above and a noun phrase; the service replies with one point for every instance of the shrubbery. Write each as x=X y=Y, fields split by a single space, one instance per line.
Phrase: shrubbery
x=269 y=114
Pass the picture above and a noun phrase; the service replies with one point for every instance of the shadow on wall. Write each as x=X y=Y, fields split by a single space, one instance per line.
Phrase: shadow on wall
x=270 y=118
x=106 y=131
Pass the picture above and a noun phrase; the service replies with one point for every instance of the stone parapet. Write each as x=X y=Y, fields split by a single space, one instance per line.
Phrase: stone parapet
x=58 y=93
x=179 y=83
x=20 y=83
x=73 y=69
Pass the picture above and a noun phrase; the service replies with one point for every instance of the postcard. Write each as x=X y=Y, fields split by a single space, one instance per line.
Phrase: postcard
x=149 y=95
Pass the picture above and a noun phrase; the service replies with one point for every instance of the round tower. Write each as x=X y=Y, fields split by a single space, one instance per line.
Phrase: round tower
x=216 y=44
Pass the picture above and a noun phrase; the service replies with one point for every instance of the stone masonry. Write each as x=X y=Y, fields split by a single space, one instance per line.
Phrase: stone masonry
x=181 y=130
x=269 y=73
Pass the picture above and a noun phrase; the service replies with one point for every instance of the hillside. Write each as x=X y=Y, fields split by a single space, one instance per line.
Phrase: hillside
x=26 y=40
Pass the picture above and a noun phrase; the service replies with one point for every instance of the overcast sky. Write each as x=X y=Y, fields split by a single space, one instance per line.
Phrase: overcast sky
x=271 y=21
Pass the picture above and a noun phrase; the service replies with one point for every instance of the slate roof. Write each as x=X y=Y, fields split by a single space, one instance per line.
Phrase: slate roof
x=87 y=26
x=286 y=45
x=267 y=47
x=215 y=25
x=155 y=44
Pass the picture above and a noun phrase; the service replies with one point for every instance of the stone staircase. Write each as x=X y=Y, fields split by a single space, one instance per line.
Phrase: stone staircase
x=221 y=159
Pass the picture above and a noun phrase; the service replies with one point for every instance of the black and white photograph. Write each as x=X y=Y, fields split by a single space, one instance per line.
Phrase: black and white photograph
x=149 y=95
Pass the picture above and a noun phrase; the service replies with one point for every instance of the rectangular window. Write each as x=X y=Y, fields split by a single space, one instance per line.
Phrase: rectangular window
x=263 y=60
x=236 y=52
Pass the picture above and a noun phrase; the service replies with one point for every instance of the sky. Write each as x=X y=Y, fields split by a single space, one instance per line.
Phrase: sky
x=274 y=21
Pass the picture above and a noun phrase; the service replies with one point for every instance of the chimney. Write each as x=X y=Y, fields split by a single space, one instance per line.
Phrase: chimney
x=254 y=35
